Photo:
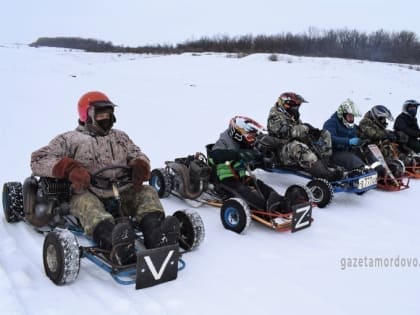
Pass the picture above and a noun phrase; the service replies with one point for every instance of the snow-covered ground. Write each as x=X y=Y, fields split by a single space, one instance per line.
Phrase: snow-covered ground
x=172 y=106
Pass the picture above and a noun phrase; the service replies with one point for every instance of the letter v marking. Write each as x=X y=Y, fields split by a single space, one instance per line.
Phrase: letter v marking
x=157 y=275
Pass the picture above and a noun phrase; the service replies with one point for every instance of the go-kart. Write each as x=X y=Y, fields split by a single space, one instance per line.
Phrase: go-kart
x=411 y=160
x=193 y=179
x=356 y=181
x=43 y=203
x=392 y=174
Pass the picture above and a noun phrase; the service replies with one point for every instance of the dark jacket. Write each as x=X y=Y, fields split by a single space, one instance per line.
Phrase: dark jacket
x=230 y=157
x=340 y=134
x=407 y=124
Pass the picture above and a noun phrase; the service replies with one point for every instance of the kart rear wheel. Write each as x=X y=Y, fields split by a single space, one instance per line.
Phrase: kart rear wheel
x=397 y=168
x=12 y=201
x=161 y=181
x=322 y=191
x=61 y=256
x=191 y=229
x=235 y=215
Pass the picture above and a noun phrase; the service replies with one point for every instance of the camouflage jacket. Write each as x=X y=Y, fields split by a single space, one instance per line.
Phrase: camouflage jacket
x=282 y=125
x=92 y=152
x=368 y=129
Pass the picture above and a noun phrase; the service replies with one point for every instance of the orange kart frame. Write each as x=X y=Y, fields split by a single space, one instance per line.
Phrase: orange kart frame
x=235 y=214
x=393 y=184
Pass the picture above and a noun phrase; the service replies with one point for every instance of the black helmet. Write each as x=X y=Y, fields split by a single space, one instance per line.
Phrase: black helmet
x=410 y=107
x=380 y=114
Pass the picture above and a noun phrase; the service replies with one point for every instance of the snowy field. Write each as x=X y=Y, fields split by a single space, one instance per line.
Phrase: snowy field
x=172 y=106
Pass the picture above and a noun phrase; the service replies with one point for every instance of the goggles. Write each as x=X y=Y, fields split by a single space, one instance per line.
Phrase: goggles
x=291 y=103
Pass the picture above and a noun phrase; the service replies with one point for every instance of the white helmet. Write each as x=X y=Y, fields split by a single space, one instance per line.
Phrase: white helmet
x=346 y=112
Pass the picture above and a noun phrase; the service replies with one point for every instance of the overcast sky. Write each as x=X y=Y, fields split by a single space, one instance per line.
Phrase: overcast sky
x=139 y=22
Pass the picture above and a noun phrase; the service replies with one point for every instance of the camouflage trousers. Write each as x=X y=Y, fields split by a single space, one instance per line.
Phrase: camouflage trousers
x=90 y=210
x=299 y=153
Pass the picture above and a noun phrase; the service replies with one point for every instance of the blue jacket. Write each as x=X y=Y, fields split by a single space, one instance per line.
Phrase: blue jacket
x=340 y=134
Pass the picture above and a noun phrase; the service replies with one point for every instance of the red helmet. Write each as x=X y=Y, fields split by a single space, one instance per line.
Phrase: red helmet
x=244 y=129
x=92 y=98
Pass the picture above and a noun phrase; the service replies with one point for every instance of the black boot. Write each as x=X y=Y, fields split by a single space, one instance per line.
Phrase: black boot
x=319 y=169
x=149 y=225
x=277 y=203
x=117 y=239
x=159 y=231
x=169 y=231
x=123 y=247
x=102 y=234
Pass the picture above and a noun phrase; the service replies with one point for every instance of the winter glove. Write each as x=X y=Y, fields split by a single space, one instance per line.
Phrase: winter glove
x=402 y=138
x=141 y=172
x=299 y=132
x=391 y=136
x=314 y=133
x=70 y=169
x=354 y=141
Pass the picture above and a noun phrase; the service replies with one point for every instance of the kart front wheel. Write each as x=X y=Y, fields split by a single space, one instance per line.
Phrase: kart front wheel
x=235 y=215
x=12 y=201
x=191 y=229
x=322 y=191
x=297 y=194
x=61 y=256
x=161 y=181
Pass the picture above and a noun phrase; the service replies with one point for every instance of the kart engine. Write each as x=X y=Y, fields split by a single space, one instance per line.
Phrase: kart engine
x=41 y=197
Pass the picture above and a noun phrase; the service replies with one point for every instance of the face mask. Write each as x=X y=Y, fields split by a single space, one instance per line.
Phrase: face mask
x=294 y=112
x=412 y=110
x=383 y=122
x=100 y=120
x=105 y=124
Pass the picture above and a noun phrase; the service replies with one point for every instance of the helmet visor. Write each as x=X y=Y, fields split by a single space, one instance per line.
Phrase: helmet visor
x=349 y=117
x=102 y=104
x=292 y=103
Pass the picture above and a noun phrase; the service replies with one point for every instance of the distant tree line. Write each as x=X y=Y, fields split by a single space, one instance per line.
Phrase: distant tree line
x=95 y=45
x=401 y=47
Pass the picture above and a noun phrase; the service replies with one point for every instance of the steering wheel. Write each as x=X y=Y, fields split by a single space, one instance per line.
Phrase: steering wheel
x=119 y=175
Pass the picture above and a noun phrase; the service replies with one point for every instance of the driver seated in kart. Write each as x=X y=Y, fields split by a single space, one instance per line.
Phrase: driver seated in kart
x=232 y=156
x=406 y=123
x=372 y=128
x=302 y=145
x=92 y=146
x=344 y=136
